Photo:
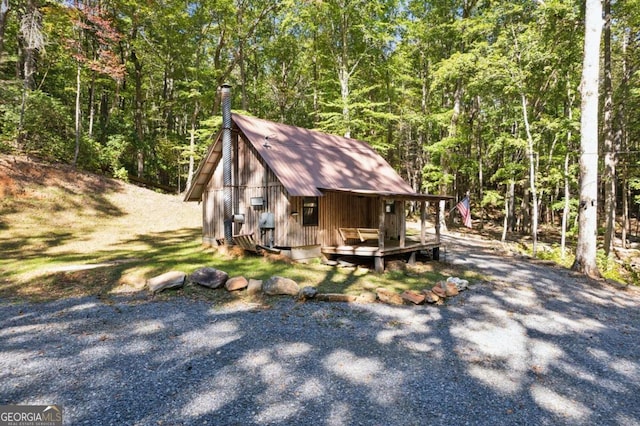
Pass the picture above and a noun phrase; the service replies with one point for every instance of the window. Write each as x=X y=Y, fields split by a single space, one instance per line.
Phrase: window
x=390 y=207
x=310 y=211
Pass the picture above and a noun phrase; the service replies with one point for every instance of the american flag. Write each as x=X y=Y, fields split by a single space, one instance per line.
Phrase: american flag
x=465 y=211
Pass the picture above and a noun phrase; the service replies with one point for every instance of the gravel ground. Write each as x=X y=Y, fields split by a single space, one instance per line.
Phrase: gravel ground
x=537 y=345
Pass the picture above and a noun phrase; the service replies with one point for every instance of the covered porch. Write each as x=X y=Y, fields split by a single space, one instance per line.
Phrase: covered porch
x=374 y=243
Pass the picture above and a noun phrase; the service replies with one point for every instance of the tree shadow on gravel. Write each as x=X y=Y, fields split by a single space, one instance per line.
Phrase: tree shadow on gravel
x=540 y=350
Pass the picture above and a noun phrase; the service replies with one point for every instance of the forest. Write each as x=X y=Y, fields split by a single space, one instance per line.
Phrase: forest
x=460 y=96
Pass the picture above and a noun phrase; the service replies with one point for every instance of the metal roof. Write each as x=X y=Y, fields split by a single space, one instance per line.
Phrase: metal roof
x=307 y=161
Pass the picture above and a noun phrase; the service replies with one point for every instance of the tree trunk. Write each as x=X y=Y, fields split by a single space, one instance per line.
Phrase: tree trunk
x=243 y=78
x=92 y=108
x=78 y=126
x=192 y=145
x=505 y=224
x=31 y=39
x=4 y=14
x=585 y=261
x=511 y=211
x=138 y=109
x=532 y=177
x=624 y=137
x=566 y=210
x=343 y=77
x=609 y=177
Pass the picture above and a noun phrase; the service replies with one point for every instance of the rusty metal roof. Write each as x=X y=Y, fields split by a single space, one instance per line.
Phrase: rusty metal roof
x=308 y=162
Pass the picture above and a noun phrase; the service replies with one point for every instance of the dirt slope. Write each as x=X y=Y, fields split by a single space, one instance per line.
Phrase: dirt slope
x=85 y=212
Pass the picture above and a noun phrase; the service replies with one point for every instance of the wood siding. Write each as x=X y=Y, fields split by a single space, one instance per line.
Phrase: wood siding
x=252 y=178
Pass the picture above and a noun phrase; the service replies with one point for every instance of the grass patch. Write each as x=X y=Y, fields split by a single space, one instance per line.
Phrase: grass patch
x=104 y=273
x=71 y=234
x=610 y=268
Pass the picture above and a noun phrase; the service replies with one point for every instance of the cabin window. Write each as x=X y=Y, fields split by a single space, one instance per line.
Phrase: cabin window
x=310 y=211
x=390 y=207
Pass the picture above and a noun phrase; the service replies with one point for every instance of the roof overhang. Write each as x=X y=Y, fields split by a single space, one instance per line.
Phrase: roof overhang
x=391 y=195
x=207 y=167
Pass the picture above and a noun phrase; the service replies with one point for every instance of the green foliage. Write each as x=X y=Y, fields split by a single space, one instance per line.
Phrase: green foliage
x=111 y=156
x=47 y=127
x=554 y=253
x=609 y=268
x=492 y=198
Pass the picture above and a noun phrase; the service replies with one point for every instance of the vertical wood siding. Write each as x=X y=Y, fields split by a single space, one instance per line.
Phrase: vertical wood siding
x=252 y=178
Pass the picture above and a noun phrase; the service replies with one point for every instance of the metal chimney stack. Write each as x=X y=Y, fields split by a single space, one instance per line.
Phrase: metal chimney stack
x=225 y=95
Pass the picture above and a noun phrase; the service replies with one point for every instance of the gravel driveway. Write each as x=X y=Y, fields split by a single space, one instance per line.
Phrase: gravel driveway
x=537 y=345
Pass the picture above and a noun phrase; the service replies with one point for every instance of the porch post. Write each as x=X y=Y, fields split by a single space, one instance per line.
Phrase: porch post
x=403 y=224
x=437 y=221
x=381 y=225
x=379 y=258
x=423 y=222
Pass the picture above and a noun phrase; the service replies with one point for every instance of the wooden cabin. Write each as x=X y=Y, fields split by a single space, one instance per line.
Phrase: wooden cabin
x=293 y=187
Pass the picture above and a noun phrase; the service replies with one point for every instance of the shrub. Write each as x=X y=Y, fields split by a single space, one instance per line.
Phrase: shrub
x=48 y=130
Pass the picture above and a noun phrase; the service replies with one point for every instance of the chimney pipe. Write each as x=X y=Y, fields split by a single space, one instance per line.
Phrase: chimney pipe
x=225 y=95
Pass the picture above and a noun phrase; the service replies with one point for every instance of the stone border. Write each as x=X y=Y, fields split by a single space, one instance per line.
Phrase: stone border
x=279 y=286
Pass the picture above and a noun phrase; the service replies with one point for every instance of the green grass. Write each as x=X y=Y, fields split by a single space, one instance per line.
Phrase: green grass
x=28 y=275
x=79 y=235
x=609 y=268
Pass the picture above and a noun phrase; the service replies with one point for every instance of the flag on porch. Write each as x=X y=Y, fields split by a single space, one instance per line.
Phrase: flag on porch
x=465 y=211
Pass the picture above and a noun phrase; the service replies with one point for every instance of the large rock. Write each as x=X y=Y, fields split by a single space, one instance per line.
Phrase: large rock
x=459 y=283
x=335 y=297
x=439 y=291
x=451 y=290
x=307 y=293
x=236 y=283
x=431 y=297
x=275 y=286
x=366 y=297
x=413 y=297
x=254 y=287
x=389 y=297
x=209 y=277
x=173 y=279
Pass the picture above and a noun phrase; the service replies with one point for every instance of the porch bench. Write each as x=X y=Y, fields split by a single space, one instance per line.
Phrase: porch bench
x=362 y=234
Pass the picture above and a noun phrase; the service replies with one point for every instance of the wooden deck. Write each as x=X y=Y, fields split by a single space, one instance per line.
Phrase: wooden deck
x=390 y=248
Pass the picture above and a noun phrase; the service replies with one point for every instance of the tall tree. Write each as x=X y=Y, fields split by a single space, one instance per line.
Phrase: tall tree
x=585 y=261
x=31 y=41
x=610 y=158
x=4 y=15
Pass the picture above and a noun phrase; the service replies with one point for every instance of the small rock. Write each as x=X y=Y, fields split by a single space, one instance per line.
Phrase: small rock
x=335 y=297
x=460 y=284
x=307 y=293
x=389 y=297
x=451 y=290
x=413 y=297
x=172 y=279
x=280 y=286
x=430 y=296
x=366 y=297
x=209 y=277
x=236 y=283
x=254 y=287
x=395 y=266
x=439 y=291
